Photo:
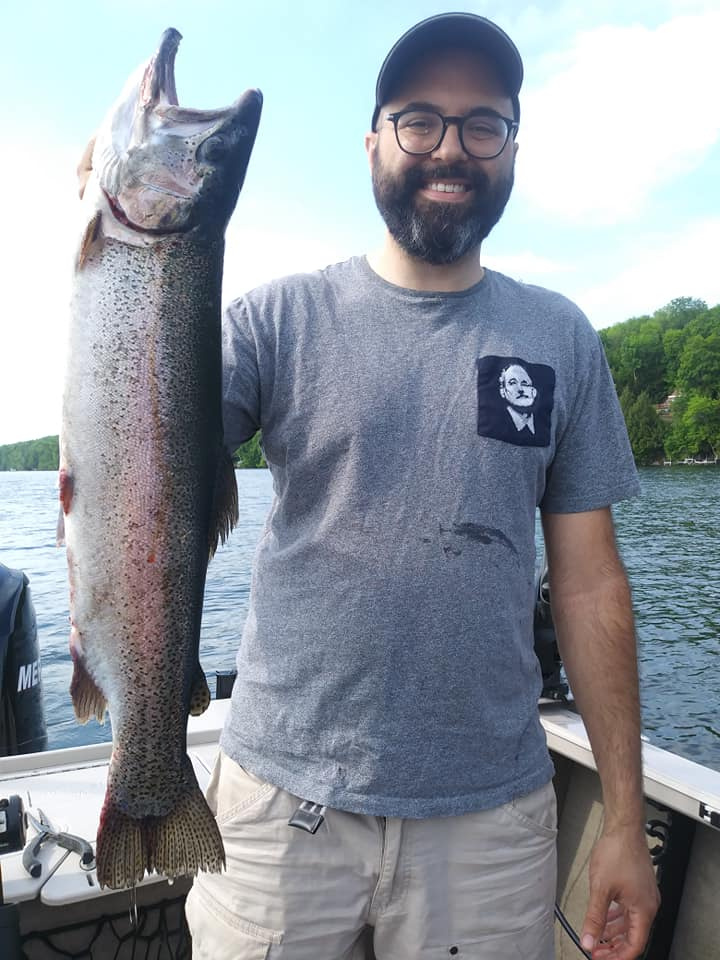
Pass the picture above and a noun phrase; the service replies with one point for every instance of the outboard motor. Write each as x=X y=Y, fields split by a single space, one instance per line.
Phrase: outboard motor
x=22 y=713
x=546 y=648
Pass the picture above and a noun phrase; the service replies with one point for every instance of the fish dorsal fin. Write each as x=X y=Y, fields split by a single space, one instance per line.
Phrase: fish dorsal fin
x=92 y=238
x=224 y=514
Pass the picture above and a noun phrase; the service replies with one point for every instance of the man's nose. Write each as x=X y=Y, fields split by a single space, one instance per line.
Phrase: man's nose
x=450 y=148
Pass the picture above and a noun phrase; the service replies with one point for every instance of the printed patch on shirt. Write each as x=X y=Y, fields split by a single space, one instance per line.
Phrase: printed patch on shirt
x=515 y=400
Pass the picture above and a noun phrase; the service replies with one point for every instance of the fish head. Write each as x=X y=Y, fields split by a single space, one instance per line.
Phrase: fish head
x=164 y=168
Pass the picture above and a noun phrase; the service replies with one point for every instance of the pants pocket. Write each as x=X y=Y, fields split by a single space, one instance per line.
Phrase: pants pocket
x=238 y=794
x=536 y=811
x=219 y=934
x=535 y=942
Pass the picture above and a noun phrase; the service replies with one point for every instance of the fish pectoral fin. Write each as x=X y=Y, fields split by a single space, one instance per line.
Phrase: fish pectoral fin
x=92 y=238
x=224 y=513
x=60 y=533
x=87 y=697
x=200 y=695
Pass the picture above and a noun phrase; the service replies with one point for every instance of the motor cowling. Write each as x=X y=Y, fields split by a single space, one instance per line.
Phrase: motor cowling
x=22 y=711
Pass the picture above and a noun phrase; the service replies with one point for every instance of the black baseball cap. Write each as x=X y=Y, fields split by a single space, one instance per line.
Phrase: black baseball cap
x=466 y=30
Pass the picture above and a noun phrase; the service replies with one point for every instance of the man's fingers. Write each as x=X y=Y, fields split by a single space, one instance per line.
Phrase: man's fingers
x=638 y=930
x=622 y=935
x=85 y=166
x=595 y=920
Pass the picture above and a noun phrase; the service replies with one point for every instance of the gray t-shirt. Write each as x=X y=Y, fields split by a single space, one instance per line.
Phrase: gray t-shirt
x=386 y=665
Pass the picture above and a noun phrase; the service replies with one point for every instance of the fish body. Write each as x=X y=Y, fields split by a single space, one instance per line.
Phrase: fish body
x=146 y=486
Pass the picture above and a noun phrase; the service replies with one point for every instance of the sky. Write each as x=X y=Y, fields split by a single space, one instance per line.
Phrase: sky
x=617 y=194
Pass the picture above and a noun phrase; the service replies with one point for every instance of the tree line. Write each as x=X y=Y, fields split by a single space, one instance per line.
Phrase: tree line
x=43 y=454
x=666 y=369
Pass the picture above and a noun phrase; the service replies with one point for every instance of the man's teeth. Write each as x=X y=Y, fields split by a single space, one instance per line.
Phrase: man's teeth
x=448 y=187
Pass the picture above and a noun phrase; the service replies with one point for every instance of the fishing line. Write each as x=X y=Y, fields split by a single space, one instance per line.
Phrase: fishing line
x=565 y=924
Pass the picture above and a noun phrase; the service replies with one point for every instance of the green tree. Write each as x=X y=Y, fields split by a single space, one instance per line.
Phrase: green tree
x=642 y=360
x=705 y=323
x=702 y=421
x=250 y=453
x=695 y=430
x=645 y=428
x=699 y=367
x=673 y=345
x=41 y=454
x=679 y=312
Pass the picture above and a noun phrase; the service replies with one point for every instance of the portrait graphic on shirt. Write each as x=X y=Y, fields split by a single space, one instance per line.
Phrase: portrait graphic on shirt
x=515 y=400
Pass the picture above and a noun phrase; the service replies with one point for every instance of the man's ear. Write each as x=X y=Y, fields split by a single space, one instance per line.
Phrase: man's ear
x=371 y=146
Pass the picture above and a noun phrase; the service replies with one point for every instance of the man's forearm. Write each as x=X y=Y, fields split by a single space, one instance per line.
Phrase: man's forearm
x=596 y=637
x=592 y=611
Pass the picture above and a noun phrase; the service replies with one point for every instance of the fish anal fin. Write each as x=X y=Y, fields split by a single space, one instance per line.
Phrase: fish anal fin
x=179 y=844
x=66 y=488
x=224 y=514
x=91 y=239
x=200 y=694
x=87 y=697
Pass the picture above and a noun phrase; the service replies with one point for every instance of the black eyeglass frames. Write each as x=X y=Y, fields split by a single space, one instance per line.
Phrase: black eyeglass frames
x=482 y=135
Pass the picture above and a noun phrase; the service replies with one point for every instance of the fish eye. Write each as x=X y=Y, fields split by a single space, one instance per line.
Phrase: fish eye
x=212 y=149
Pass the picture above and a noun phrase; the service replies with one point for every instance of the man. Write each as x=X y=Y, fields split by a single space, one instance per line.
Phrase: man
x=386 y=669
x=386 y=674
x=517 y=389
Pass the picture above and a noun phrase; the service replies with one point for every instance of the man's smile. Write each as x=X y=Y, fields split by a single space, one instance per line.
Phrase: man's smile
x=452 y=191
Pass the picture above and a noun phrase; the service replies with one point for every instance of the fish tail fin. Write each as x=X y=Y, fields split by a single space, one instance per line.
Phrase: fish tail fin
x=181 y=843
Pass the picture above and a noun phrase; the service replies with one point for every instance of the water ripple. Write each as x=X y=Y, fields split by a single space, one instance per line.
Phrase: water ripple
x=669 y=539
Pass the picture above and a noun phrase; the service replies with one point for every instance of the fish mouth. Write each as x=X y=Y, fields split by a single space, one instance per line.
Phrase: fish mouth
x=159 y=90
x=159 y=80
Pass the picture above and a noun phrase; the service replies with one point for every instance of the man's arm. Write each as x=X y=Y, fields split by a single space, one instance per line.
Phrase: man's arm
x=592 y=612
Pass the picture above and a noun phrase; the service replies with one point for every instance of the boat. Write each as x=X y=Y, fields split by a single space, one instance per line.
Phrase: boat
x=51 y=905
x=62 y=912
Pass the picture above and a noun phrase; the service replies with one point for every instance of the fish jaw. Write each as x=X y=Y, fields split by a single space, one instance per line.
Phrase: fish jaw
x=165 y=168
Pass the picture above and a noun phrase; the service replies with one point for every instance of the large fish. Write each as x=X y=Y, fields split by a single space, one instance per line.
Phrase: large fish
x=146 y=486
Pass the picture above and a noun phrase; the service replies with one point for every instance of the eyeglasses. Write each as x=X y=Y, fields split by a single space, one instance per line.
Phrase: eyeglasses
x=482 y=135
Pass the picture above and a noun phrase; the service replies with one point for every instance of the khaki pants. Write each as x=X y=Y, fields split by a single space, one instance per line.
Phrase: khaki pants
x=477 y=887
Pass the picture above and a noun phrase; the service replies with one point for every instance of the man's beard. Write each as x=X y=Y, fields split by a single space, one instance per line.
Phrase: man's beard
x=439 y=232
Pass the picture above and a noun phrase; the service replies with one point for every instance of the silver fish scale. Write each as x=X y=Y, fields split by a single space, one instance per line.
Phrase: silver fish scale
x=144 y=452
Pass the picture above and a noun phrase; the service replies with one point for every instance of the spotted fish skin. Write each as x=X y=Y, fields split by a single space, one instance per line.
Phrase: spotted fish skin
x=147 y=487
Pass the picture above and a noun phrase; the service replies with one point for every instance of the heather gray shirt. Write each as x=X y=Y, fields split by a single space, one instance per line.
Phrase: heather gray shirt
x=387 y=664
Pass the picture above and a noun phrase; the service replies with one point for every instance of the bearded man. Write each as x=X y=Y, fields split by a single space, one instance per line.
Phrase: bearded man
x=386 y=698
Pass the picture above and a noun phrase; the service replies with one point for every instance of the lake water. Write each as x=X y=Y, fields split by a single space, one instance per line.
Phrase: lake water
x=669 y=539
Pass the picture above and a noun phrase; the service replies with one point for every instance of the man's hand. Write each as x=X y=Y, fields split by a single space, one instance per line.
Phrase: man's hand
x=84 y=168
x=624 y=897
x=592 y=609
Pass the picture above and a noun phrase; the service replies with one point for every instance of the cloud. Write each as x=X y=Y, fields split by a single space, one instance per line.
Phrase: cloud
x=527 y=266
x=624 y=111
x=678 y=264
x=254 y=254
x=38 y=196
x=39 y=203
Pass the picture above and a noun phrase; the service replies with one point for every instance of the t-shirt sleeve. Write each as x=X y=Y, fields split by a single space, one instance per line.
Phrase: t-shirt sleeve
x=241 y=381
x=593 y=466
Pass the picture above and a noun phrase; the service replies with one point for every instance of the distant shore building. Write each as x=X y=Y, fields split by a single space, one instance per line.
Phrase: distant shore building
x=664 y=409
